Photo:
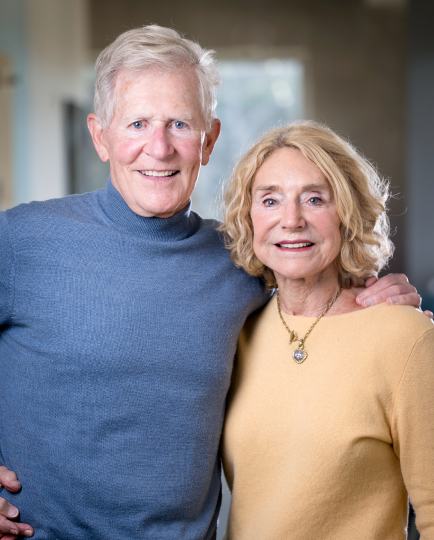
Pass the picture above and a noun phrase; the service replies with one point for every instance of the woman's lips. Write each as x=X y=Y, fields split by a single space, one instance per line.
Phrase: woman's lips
x=296 y=246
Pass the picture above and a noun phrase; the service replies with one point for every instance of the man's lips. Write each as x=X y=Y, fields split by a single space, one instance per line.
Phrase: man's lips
x=159 y=174
x=295 y=245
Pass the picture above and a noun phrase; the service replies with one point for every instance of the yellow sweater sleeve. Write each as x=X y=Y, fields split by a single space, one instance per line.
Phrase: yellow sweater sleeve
x=413 y=431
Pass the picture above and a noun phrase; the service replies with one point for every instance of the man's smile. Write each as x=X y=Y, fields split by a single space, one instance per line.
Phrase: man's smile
x=159 y=173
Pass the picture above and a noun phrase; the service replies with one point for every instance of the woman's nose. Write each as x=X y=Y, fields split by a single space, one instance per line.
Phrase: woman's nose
x=292 y=216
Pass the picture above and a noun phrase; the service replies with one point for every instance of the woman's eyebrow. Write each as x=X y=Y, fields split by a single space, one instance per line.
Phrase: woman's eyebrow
x=266 y=188
x=307 y=187
x=315 y=187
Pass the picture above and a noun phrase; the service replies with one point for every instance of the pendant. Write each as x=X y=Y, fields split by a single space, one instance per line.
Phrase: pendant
x=292 y=337
x=299 y=355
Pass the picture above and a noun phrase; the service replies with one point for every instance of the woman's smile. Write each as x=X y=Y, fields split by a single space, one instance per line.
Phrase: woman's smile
x=295 y=246
x=295 y=221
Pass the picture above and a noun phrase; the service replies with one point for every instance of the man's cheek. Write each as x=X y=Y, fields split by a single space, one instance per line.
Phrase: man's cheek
x=129 y=148
x=187 y=139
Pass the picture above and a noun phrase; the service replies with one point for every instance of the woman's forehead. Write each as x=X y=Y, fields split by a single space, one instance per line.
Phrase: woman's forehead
x=289 y=166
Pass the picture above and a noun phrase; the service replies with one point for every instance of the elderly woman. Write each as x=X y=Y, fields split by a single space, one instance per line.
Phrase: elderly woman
x=330 y=419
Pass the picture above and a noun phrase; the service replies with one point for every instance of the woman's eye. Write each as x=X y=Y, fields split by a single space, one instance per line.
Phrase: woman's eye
x=315 y=200
x=269 y=202
x=179 y=124
x=137 y=125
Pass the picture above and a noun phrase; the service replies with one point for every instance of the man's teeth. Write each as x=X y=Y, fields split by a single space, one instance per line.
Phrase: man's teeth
x=295 y=246
x=158 y=173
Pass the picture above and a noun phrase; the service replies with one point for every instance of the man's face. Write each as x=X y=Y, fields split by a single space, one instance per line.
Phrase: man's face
x=156 y=141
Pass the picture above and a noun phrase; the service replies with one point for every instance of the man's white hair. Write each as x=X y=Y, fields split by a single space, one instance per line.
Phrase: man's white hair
x=154 y=46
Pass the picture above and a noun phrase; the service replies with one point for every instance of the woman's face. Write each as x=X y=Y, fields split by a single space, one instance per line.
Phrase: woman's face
x=295 y=222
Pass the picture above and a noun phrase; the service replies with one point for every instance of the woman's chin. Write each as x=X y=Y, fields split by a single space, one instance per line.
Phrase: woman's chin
x=305 y=272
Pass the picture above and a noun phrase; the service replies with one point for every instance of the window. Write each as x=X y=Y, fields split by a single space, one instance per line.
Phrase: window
x=255 y=96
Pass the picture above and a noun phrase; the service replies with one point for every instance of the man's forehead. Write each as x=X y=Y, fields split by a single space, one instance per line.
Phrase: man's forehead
x=186 y=76
x=157 y=93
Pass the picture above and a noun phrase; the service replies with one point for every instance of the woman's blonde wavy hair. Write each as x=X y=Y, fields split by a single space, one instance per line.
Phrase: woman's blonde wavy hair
x=360 y=195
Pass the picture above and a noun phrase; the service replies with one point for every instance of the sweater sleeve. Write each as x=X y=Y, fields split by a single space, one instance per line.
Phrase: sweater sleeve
x=6 y=269
x=413 y=427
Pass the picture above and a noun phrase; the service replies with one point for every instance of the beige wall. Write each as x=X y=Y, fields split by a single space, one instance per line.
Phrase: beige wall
x=57 y=56
x=357 y=51
x=6 y=157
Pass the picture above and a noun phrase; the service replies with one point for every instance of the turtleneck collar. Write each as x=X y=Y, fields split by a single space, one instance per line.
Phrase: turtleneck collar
x=177 y=227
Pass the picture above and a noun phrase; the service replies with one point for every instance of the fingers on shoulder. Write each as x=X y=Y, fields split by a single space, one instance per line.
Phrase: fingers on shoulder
x=405 y=299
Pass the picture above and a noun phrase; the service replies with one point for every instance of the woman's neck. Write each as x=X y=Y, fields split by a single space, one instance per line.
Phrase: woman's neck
x=308 y=296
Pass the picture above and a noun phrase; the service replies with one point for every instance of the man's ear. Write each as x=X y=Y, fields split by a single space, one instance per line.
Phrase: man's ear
x=97 y=133
x=210 y=139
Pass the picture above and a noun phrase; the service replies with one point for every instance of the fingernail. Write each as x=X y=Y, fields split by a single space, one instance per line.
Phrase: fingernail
x=15 y=483
x=14 y=531
x=12 y=512
x=28 y=532
x=367 y=302
x=394 y=299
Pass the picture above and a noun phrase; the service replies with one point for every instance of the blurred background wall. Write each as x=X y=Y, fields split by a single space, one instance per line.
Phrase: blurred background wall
x=364 y=67
x=44 y=50
x=367 y=72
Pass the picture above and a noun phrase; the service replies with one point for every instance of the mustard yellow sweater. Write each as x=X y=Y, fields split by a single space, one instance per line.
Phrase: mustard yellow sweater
x=329 y=449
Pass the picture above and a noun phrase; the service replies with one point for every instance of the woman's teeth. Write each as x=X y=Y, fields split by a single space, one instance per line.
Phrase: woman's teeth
x=158 y=173
x=295 y=246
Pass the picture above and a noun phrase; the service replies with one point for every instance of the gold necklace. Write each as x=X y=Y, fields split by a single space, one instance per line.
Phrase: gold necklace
x=300 y=354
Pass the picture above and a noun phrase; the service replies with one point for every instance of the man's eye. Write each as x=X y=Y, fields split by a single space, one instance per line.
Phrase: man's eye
x=179 y=124
x=137 y=125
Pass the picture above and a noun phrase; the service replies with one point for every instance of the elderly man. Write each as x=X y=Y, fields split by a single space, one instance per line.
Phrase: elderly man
x=119 y=316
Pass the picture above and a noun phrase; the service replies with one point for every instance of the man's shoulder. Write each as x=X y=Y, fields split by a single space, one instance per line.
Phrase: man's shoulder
x=209 y=230
x=42 y=222
x=62 y=205
x=206 y=235
x=216 y=258
x=208 y=224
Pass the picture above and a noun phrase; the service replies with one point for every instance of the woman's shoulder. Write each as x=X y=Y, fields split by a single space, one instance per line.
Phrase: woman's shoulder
x=393 y=328
x=387 y=332
x=405 y=320
x=384 y=323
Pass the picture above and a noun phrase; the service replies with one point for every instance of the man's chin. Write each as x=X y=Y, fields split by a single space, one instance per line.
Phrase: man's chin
x=158 y=209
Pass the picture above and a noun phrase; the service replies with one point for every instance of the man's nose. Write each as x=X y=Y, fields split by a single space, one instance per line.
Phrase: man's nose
x=292 y=216
x=158 y=144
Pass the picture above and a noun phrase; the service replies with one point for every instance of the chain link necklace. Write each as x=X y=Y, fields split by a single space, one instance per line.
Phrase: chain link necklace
x=300 y=354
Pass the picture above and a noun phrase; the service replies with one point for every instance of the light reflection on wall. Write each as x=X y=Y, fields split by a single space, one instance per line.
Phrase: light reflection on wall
x=255 y=95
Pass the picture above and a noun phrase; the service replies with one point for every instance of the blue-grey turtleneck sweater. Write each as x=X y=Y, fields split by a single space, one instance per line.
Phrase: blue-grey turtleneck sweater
x=117 y=334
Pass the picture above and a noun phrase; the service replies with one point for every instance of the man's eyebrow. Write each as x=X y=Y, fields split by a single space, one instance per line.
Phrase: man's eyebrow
x=139 y=116
x=183 y=117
